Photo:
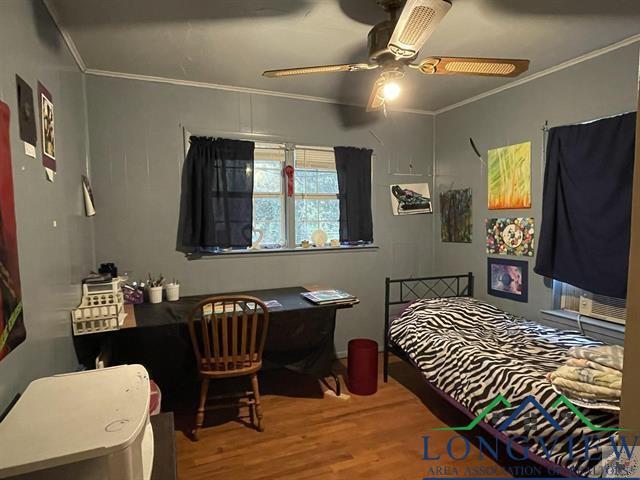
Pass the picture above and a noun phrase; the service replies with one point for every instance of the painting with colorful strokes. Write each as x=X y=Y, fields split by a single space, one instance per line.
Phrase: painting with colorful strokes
x=509 y=177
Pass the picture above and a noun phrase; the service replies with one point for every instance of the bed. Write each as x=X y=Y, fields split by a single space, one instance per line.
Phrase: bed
x=470 y=352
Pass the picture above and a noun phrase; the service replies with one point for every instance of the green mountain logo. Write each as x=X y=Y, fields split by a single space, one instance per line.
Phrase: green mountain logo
x=531 y=400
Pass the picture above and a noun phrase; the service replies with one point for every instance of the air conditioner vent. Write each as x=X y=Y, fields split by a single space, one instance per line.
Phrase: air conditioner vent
x=603 y=307
x=576 y=300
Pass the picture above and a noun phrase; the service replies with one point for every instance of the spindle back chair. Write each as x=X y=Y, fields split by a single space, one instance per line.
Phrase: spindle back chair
x=228 y=334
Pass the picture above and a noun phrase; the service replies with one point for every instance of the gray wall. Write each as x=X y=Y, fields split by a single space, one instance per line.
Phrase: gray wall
x=52 y=260
x=603 y=86
x=137 y=151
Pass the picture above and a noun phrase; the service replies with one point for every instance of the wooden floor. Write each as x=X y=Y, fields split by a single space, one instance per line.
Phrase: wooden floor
x=308 y=435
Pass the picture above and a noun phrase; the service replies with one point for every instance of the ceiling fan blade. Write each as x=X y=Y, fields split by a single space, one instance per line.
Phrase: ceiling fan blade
x=418 y=20
x=347 y=67
x=488 y=67
x=376 y=99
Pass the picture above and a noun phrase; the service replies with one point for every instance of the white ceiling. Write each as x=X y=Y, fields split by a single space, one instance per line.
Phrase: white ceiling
x=230 y=42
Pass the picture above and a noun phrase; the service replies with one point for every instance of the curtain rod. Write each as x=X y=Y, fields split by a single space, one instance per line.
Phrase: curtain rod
x=546 y=127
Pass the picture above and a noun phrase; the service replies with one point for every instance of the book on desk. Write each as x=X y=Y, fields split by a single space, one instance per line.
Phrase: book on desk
x=329 y=297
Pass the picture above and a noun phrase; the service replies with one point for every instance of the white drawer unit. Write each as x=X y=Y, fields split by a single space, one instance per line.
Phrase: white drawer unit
x=91 y=425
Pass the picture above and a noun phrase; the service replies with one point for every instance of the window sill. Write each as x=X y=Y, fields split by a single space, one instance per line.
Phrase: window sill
x=283 y=251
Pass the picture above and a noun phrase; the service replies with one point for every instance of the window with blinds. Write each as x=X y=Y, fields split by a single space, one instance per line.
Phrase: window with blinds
x=316 y=194
x=280 y=221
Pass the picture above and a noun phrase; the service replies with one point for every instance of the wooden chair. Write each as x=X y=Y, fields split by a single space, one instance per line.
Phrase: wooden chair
x=228 y=336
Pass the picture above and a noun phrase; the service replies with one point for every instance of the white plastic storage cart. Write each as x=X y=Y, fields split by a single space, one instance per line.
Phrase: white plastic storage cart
x=101 y=309
x=91 y=425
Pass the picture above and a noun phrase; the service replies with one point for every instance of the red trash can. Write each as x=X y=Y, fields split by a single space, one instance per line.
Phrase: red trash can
x=362 y=366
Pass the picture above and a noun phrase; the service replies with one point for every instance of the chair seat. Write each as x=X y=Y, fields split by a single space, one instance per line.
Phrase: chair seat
x=230 y=369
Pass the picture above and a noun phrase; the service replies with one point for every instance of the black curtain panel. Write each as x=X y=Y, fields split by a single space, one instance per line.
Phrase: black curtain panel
x=586 y=209
x=217 y=200
x=354 y=186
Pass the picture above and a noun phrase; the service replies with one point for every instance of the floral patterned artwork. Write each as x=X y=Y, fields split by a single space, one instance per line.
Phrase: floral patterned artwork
x=510 y=236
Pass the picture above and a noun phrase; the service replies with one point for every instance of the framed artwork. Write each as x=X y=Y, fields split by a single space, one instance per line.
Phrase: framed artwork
x=47 y=128
x=26 y=116
x=12 y=330
x=508 y=279
x=410 y=198
x=510 y=236
x=510 y=177
x=455 y=216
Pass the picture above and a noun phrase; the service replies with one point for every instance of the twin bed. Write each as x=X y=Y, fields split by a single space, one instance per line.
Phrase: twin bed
x=471 y=352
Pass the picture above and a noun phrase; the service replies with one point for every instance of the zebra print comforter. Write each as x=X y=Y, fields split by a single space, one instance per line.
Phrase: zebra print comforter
x=473 y=352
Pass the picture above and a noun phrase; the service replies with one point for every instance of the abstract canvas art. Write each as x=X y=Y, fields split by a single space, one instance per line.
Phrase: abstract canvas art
x=510 y=236
x=455 y=216
x=510 y=177
x=508 y=279
x=12 y=332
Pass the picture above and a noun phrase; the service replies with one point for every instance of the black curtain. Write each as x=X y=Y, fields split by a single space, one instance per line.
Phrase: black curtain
x=217 y=195
x=354 y=186
x=586 y=209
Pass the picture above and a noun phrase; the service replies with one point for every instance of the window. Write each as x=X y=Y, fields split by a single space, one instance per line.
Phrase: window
x=316 y=194
x=283 y=221
x=268 y=197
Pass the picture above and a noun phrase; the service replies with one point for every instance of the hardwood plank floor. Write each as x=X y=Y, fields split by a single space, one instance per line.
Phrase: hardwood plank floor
x=310 y=436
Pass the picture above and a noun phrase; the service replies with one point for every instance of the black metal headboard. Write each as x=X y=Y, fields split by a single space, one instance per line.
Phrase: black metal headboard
x=404 y=290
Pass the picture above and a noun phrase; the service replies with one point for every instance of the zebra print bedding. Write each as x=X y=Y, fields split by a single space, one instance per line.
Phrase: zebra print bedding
x=474 y=352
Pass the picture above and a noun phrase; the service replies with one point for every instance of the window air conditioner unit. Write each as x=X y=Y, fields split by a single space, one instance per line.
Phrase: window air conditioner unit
x=603 y=307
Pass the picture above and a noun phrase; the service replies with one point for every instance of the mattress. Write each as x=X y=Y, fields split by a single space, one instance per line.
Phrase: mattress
x=474 y=352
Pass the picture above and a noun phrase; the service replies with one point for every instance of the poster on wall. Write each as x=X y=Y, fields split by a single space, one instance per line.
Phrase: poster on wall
x=410 y=199
x=12 y=331
x=47 y=131
x=455 y=216
x=510 y=177
x=510 y=236
x=26 y=117
x=508 y=279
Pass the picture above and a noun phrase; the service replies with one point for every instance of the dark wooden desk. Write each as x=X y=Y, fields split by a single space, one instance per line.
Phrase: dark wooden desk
x=300 y=337
x=169 y=313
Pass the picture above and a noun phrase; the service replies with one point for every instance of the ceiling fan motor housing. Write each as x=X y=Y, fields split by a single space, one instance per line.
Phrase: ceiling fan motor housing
x=378 y=41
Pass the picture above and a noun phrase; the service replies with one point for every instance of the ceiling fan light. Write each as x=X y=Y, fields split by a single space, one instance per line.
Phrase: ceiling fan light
x=391 y=91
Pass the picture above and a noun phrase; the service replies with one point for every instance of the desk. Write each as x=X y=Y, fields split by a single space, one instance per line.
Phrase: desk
x=300 y=336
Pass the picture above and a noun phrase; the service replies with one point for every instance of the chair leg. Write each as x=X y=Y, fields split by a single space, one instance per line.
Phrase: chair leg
x=204 y=390
x=258 y=405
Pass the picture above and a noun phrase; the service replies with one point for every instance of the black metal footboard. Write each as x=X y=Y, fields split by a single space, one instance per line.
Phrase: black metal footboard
x=404 y=290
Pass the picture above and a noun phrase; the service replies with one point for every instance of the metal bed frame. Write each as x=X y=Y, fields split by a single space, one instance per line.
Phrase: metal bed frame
x=411 y=289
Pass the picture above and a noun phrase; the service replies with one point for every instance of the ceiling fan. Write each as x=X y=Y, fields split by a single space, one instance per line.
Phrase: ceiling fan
x=394 y=44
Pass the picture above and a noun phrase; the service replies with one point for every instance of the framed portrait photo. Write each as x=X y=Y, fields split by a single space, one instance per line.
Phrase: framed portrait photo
x=508 y=278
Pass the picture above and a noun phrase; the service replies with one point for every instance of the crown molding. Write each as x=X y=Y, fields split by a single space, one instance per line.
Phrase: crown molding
x=543 y=73
x=233 y=88
x=75 y=53
x=254 y=91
